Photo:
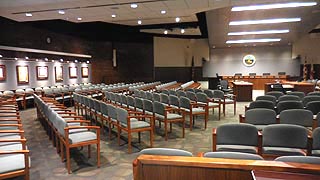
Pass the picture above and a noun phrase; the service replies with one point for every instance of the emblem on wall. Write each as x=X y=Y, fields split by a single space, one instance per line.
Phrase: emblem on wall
x=249 y=60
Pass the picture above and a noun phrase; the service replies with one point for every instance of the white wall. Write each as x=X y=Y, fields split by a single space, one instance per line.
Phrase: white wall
x=308 y=47
x=228 y=61
x=174 y=52
x=11 y=77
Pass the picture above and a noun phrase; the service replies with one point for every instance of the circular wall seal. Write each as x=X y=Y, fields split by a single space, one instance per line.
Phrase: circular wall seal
x=249 y=60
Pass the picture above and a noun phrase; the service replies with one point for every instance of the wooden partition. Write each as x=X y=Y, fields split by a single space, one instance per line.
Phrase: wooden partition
x=175 y=167
x=305 y=87
x=257 y=81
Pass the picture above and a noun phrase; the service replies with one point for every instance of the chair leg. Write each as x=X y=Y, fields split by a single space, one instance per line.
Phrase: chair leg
x=170 y=127
x=118 y=136
x=139 y=137
x=183 y=133
x=98 y=154
x=191 y=124
x=165 y=130
x=234 y=108
x=219 y=112
x=68 y=159
x=89 y=151
x=129 y=142
x=151 y=137
x=224 y=109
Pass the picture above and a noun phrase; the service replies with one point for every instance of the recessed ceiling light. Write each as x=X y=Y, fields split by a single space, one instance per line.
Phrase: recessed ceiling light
x=75 y=61
x=88 y=62
x=27 y=57
x=213 y=47
x=139 y=22
x=28 y=14
x=37 y=60
x=165 y=32
x=52 y=60
x=264 y=21
x=273 y=6
x=68 y=61
x=113 y=15
x=182 y=31
x=61 y=12
x=229 y=46
x=46 y=59
x=0 y=56
x=16 y=59
x=163 y=12
x=252 y=41
x=61 y=60
x=258 y=32
x=133 y=6
x=79 y=18
x=178 y=19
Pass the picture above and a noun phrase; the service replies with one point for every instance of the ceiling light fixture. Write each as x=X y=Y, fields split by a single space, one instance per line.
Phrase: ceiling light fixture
x=1 y=56
x=252 y=41
x=258 y=32
x=182 y=31
x=16 y=59
x=133 y=6
x=273 y=6
x=79 y=18
x=113 y=15
x=165 y=32
x=61 y=12
x=27 y=57
x=163 y=12
x=28 y=14
x=139 y=22
x=178 y=19
x=264 y=21
x=46 y=59
x=52 y=60
x=61 y=60
x=75 y=61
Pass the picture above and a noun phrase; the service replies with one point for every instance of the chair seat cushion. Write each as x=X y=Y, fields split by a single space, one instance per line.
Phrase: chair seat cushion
x=316 y=152
x=13 y=146
x=169 y=116
x=194 y=110
x=12 y=163
x=229 y=101
x=137 y=124
x=238 y=148
x=82 y=137
x=283 y=151
x=213 y=104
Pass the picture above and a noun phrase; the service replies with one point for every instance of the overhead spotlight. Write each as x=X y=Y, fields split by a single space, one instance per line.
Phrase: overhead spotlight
x=68 y=61
x=178 y=19
x=61 y=60
x=46 y=59
x=113 y=15
x=79 y=18
x=27 y=57
x=163 y=11
x=37 y=60
x=16 y=59
x=0 y=56
x=139 y=22
x=28 y=14
x=133 y=6
x=52 y=60
x=61 y=12
x=75 y=61
x=182 y=31
x=88 y=62
x=165 y=32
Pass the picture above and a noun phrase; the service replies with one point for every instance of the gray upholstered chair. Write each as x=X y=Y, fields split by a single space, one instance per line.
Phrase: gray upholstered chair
x=225 y=99
x=149 y=96
x=165 y=152
x=174 y=101
x=191 y=95
x=289 y=98
x=300 y=117
x=105 y=116
x=164 y=98
x=208 y=92
x=284 y=105
x=299 y=159
x=267 y=98
x=124 y=101
x=284 y=140
x=168 y=115
x=261 y=104
x=224 y=86
x=156 y=97
x=138 y=104
x=130 y=102
x=314 y=107
x=165 y=92
x=198 y=90
x=259 y=117
x=130 y=124
x=310 y=98
x=181 y=93
x=193 y=109
x=300 y=94
x=232 y=155
x=236 y=138
x=211 y=103
x=276 y=94
x=172 y=92
x=316 y=142
x=112 y=115
x=190 y=90
x=315 y=93
x=148 y=107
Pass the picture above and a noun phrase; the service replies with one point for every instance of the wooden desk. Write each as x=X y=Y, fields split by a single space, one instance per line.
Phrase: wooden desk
x=305 y=87
x=243 y=91
x=257 y=81
x=188 y=168
x=271 y=175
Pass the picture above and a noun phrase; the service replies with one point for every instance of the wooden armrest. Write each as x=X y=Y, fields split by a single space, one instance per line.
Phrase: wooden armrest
x=11 y=131
x=9 y=115
x=79 y=120
x=200 y=154
x=66 y=112
x=72 y=117
x=22 y=140
x=82 y=127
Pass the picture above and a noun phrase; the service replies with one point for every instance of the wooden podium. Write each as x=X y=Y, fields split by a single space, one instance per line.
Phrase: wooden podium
x=243 y=91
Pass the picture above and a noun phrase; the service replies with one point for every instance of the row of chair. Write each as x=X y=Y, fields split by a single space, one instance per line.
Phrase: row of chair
x=14 y=154
x=66 y=129
x=261 y=117
x=189 y=107
x=300 y=94
x=275 y=140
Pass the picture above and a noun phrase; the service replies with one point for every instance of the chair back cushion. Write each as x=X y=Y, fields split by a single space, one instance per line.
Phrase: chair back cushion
x=165 y=152
x=300 y=117
x=261 y=116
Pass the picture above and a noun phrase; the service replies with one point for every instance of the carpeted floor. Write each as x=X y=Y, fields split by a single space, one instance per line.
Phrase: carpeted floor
x=116 y=163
